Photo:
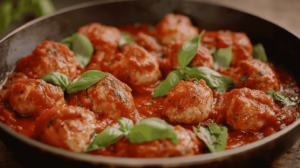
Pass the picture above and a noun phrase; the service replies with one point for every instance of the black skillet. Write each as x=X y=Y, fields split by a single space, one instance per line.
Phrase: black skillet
x=282 y=47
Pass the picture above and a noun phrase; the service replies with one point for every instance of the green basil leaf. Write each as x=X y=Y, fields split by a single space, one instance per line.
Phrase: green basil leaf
x=126 y=125
x=108 y=136
x=284 y=99
x=213 y=51
x=85 y=81
x=42 y=7
x=165 y=86
x=222 y=58
x=58 y=79
x=214 y=137
x=188 y=50
x=6 y=8
x=259 y=52
x=213 y=79
x=81 y=46
x=151 y=129
x=125 y=39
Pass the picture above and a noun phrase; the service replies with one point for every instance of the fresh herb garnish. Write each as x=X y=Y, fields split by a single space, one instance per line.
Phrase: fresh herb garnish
x=196 y=81
x=259 y=52
x=151 y=28
x=9 y=14
x=259 y=73
x=125 y=39
x=222 y=58
x=236 y=117
x=52 y=50
x=111 y=80
x=122 y=97
x=213 y=136
x=81 y=46
x=188 y=50
x=104 y=83
x=85 y=81
x=137 y=25
x=79 y=105
x=243 y=78
x=147 y=130
x=58 y=79
x=283 y=99
x=50 y=122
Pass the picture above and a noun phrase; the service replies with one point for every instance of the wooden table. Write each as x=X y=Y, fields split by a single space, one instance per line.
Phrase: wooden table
x=286 y=13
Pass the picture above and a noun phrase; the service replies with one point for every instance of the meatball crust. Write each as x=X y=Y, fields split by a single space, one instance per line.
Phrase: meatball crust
x=202 y=58
x=109 y=98
x=255 y=74
x=148 y=42
x=103 y=38
x=176 y=28
x=49 y=57
x=188 y=144
x=27 y=96
x=250 y=110
x=137 y=67
x=241 y=48
x=66 y=127
x=188 y=102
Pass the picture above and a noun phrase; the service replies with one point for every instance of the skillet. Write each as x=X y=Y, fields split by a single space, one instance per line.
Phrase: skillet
x=282 y=48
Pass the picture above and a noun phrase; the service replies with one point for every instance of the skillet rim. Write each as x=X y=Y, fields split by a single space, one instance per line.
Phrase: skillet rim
x=119 y=161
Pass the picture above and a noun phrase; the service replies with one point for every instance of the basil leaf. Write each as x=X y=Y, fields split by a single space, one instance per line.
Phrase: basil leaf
x=259 y=52
x=165 y=86
x=58 y=79
x=151 y=129
x=85 y=81
x=125 y=39
x=214 y=137
x=284 y=99
x=213 y=51
x=81 y=46
x=213 y=79
x=126 y=125
x=6 y=8
x=222 y=58
x=42 y=7
x=108 y=136
x=188 y=50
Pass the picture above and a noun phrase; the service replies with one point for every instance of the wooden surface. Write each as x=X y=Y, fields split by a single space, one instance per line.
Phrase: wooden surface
x=285 y=13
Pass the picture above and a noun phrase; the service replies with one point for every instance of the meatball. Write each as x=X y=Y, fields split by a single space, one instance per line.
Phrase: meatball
x=109 y=97
x=149 y=43
x=176 y=28
x=66 y=127
x=103 y=38
x=188 y=144
x=188 y=102
x=49 y=57
x=137 y=67
x=202 y=58
x=254 y=74
x=101 y=61
x=241 y=48
x=250 y=110
x=27 y=96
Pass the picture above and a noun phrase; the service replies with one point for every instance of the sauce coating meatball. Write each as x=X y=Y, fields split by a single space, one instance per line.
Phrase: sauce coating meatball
x=148 y=42
x=202 y=58
x=66 y=127
x=49 y=57
x=188 y=144
x=109 y=97
x=103 y=38
x=254 y=74
x=176 y=28
x=188 y=102
x=250 y=110
x=137 y=67
x=27 y=96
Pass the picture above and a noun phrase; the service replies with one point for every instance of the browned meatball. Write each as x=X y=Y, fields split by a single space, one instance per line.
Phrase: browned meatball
x=148 y=42
x=49 y=57
x=109 y=97
x=66 y=127
x=137 y=67
x=188 y=102
x=254 y=74
x=241 y=48
x=176 y=28
x=29 y=95
x=188 y=144
x=103 y=38
x=250 y=110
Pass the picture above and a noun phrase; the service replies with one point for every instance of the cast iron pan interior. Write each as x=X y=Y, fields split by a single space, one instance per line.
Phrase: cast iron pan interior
x=282 y=47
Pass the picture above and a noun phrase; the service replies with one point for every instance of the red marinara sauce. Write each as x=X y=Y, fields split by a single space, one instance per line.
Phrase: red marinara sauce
x=44 y=112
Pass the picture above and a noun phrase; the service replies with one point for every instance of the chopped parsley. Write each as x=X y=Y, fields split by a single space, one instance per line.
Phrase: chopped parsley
x=259 y=73
x=52 y=50
x=243 y=78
